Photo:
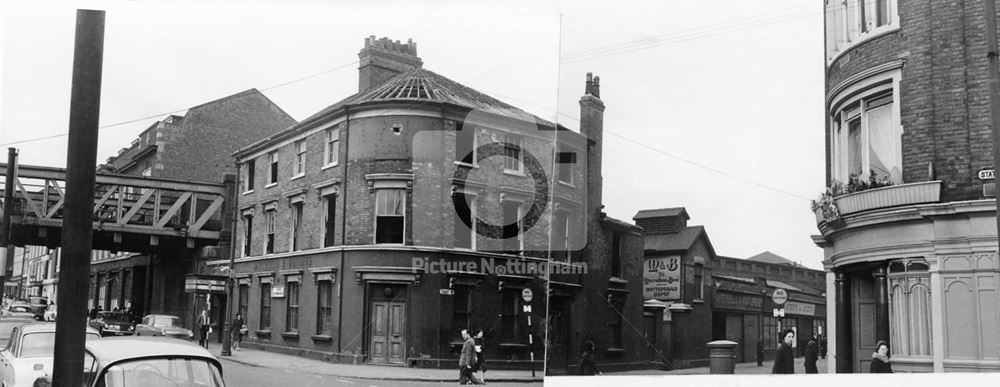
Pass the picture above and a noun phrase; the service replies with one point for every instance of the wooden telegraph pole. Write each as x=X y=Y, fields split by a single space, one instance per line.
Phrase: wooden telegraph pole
x=78 y=216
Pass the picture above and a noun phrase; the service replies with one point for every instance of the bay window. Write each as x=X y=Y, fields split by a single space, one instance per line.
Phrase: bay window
x=866 y=133
x=849 y=22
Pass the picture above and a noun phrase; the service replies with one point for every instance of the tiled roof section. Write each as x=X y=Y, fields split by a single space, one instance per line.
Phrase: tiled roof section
x=422 y=85
x=660 y=212
x=680 y=241
x=769 y=257
x=782 y=285
x=618 y=224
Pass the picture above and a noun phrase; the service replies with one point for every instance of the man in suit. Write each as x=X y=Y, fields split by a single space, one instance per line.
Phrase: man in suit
x=467 y=359
x=204 y=324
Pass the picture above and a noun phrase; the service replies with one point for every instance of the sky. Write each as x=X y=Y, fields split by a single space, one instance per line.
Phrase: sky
x=715 y=106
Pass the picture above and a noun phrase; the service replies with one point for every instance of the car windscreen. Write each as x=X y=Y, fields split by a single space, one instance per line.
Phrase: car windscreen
x=42 y=344
x=156 y=372
x=166 y=321
x=21 y=308
x=112 y=316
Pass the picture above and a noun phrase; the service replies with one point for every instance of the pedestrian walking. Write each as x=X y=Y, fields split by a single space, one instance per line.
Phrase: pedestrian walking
x=760 y=351
x=587 y=364
x=467 y=358
x=480 y=359
x=237 y=331
x=784 y=360
x=880 y=359
x=205 y=327
x=812 y=354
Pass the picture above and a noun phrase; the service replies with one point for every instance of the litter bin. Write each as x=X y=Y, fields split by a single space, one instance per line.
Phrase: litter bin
x=722 y=357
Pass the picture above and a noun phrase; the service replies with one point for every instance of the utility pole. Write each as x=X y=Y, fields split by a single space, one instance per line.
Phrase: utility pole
x=994 y=70
x=227 y=330
x=6 y=248
x=78 y=215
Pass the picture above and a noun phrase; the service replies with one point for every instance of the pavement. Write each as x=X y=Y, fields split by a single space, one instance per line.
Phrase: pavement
x=740 y=369
x=289 y=363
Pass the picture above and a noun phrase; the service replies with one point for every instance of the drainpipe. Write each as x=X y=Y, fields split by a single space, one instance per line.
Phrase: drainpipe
x=343 y=233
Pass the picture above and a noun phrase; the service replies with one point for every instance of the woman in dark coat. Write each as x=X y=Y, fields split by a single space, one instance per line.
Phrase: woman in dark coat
x=880 y=359
x=587 y=364
x=812 y=354
x=784 y=360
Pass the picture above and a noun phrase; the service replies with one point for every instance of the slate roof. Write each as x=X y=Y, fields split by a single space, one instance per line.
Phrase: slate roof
x=421 y=85
x=680 y=241
x=661 y=212
x=769 y=257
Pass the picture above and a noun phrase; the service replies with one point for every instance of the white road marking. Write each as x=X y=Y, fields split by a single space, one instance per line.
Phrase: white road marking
x=345 y=381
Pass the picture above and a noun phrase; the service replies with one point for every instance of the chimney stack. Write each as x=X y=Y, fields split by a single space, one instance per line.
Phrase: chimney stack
x=382 y=59
x=592 y=126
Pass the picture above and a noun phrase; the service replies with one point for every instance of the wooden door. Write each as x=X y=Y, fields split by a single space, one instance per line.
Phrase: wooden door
x=863 y=320
x=380 y=333
x=734 y=332
x=750 y=335
x=397 y=332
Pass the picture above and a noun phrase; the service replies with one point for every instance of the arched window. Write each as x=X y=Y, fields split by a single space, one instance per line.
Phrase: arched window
x=909 y=309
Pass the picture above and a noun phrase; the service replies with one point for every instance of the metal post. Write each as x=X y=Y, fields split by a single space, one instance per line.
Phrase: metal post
x=6 y=248
x=531 y=343
x=227 y=326
x=78 y=219
x=994 y=80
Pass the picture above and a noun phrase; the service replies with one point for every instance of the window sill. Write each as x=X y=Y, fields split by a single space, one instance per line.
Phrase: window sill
x=322 y=338
x=299 y=176
x=269 y=185
x=328 y=166
x=567 y=184
x=467 y=165
x=512 y=172
x=263 y=332
x=247 y=192
x=290 y=335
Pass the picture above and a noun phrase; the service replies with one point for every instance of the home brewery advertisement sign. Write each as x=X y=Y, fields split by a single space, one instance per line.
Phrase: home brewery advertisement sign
x=661 y=278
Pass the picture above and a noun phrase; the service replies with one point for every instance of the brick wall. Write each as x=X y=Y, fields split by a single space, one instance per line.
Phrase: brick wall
x=943 y=93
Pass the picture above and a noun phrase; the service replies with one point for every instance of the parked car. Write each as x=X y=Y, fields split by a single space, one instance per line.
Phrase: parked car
x=19 y=309
x=50 y=313
x=29 y=353
x=148 y=362
x=163 y=325
x=38 y=306
x=112 y=324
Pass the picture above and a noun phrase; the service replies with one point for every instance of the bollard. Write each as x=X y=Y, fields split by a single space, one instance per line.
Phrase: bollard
x=722 y=357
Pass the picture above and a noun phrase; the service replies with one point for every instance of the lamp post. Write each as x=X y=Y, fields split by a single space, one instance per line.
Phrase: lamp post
x=227 y=326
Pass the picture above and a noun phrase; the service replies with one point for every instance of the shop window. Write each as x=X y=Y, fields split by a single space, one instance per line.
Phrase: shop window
x=510 y=309
x=461 y=310
x=909 y=308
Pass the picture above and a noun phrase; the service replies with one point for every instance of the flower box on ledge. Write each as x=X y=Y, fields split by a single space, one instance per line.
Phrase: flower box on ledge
x=891 y=196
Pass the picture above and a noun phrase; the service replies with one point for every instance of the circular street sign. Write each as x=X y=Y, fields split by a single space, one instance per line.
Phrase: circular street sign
x=779 y=297
x=526 y=294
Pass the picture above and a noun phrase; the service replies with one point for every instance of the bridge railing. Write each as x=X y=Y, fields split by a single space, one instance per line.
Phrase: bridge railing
x=125 y=203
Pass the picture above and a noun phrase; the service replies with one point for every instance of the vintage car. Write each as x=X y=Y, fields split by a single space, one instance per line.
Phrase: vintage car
x=163 y=325
x=29 y=353
x=19 y=309
x=38 y=306
x=147 y=362
x=112 y=323
x=50 y=313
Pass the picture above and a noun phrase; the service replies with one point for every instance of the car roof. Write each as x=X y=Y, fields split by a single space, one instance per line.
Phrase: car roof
x=111 y=350
x=161 y=315
x=33 y=327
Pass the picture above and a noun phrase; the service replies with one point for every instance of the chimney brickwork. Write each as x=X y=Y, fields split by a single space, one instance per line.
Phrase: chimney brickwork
x=382 y=59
